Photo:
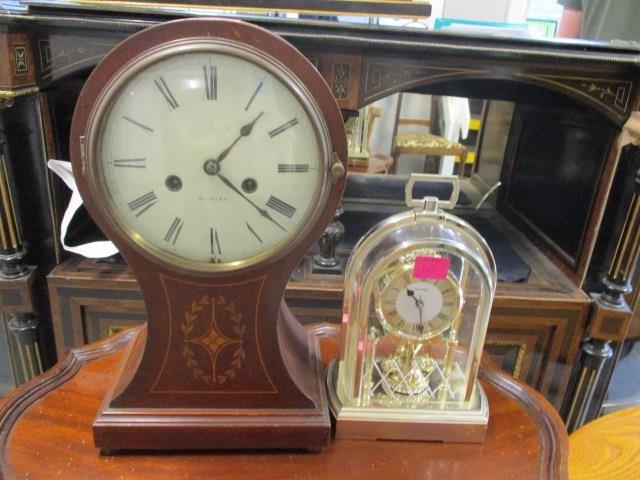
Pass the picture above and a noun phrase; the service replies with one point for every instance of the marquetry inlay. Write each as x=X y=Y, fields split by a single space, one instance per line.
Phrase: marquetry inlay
x=613 y=95
x=382 y=78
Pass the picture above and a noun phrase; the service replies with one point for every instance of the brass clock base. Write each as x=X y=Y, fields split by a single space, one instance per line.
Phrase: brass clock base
x=444 y=425
x=183 y=428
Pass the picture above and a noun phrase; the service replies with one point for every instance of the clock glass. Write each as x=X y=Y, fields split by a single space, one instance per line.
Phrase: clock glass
x=418 y=293
x=417 y=308
x=211 y=156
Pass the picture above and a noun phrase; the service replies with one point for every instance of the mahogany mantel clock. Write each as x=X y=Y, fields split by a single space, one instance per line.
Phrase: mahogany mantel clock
x=212 y=153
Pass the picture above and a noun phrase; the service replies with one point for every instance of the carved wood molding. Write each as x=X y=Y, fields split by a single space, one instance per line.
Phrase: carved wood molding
x=553 y=438
x=611 y=95
x=383 y=78
x=19 y=400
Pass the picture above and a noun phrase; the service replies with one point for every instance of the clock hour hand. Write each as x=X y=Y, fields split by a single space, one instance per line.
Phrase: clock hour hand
x=244 y=131
x=412 y=294
x=262 y=211
x=419 y=304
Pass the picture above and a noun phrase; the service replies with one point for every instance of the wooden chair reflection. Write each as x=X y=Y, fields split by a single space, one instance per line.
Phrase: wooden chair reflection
x=361 y=158
x=423 y=143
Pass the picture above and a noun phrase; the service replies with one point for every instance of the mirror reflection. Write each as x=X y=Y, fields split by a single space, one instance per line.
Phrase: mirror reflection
x=409 y=133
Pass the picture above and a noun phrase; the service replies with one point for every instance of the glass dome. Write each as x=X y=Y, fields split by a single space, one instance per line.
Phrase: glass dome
x=418 y=293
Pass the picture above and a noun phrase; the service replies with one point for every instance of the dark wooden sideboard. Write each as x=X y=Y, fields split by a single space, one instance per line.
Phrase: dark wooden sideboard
x=537 y=340
x=572 y=212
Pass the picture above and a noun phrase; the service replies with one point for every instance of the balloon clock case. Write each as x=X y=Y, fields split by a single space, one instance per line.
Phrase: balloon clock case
x=212 y=153
x=418 y=293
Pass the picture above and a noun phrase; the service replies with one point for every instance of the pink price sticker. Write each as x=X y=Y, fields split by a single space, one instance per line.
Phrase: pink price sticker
x=431 y=268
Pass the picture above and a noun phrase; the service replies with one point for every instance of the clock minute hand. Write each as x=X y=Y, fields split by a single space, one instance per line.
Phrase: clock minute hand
x=262 y=211
x=419 y=304
x=245 y=130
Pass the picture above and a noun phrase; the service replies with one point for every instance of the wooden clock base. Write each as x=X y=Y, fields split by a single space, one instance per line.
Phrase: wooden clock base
x=183 y=428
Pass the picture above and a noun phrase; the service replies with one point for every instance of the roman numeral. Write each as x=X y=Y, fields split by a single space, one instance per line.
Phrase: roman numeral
x=138 y=124
x=211 y=81
x=283 y=127
x=174 y=231
x=215 y=245
x=130 y=163
x=143 y=203
x=293 y=167
x=166 y=93
x=281 y=207
x=401 y=323
x=254 y=232
x=253 y=96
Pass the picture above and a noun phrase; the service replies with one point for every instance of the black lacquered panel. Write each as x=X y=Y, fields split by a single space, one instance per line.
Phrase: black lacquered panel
x=557 y=163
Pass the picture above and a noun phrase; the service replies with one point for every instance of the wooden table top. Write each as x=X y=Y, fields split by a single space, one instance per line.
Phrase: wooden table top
x=607 y=448
x=45 y=433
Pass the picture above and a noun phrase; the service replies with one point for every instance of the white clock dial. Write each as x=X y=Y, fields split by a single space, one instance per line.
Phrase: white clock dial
x=418 y=308
x=210 y=158
x=419 y=302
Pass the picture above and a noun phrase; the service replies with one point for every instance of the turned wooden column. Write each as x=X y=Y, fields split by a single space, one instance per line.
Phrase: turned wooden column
x=611 y=314
x=17 y=305
x=17 y=300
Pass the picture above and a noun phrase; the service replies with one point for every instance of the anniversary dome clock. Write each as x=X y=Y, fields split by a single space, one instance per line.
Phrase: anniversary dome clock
x=212 y=153
x=418 y=294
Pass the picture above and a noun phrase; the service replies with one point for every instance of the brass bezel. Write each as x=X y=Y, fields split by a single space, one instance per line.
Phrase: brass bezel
x=93 y=168
x=396 y=270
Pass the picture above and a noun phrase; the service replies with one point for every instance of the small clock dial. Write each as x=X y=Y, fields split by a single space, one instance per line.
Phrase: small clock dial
x=418 y=308
x=210 y=158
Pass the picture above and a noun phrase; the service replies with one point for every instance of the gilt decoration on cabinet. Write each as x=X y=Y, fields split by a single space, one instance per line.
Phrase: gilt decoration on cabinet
x=340 y=84
x=73 y=53
x=20 y=58
x=382 y=78
x=611 y=95
x=502 y=352
x=16 y=71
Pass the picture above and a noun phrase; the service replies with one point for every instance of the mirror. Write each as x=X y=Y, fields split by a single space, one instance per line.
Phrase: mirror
x=421 y=133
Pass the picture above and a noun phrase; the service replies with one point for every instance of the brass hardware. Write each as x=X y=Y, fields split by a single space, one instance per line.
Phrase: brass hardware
x=7 y=97
x=82 y=153
x=11 y=94
x=102 y=109
x=337 y=168
x=431 y=204
x=13 y=239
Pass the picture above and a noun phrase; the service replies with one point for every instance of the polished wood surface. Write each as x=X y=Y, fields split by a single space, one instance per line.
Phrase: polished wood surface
x=607 y=448
x=45 y=432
